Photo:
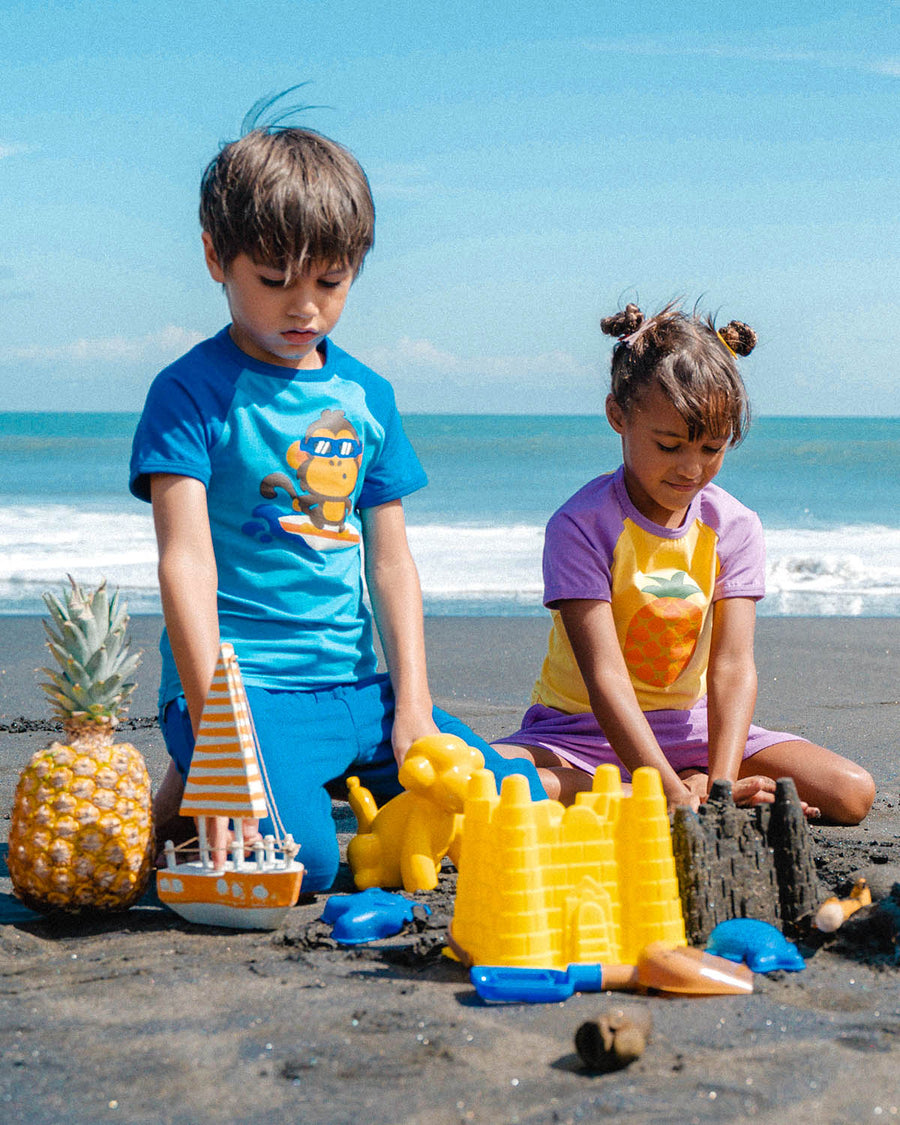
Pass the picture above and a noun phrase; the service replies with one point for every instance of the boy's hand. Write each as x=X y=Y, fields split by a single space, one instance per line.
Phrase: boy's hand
x=406 y=730
x=221 y=839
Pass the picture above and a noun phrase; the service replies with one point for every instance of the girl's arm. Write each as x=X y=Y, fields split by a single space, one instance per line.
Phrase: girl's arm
x=396 y=596
x=592 y=634
x=731 y=693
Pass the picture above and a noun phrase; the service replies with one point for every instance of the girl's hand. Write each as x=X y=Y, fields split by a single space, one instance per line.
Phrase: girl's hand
x=760 y=790
x=755 y=790
x=692 y=792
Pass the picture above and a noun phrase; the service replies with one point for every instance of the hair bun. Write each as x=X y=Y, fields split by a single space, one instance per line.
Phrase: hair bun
x=622 y=323
x=739 y=337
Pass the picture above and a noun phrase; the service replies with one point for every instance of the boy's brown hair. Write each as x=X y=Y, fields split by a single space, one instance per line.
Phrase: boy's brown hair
x=287 y=197
x=690 y=360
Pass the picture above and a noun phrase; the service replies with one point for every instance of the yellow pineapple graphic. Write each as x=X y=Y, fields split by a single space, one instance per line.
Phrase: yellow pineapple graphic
x=663 y=634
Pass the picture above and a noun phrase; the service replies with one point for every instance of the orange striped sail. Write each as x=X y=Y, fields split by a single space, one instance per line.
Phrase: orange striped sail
x=224 y=778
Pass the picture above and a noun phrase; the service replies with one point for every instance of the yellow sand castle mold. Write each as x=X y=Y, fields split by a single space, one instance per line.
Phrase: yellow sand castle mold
x=544 y=886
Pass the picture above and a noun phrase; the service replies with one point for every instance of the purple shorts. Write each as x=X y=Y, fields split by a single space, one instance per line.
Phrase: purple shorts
x=683 y=737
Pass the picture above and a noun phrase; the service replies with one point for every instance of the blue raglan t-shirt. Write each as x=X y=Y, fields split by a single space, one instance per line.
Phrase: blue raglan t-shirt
x=288 y=459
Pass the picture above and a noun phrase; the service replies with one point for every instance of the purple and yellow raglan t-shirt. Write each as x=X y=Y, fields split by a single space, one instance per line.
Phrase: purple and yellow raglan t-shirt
x=661 y=584
x=288 y=458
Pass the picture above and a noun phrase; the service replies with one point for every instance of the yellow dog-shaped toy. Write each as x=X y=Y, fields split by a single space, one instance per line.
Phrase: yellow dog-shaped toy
x=403 y=842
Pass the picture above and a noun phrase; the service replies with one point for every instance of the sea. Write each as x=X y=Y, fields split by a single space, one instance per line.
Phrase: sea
x=827 y=491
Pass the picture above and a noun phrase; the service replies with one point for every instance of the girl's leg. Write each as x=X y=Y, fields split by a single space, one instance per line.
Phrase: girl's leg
x=561 y=780
x=842 y=790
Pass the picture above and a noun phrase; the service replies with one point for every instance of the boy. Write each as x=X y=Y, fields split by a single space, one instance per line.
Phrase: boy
x=271 y=457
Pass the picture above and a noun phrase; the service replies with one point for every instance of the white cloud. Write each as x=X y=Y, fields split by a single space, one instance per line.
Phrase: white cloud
x=410 y=355
x=167 y=343
x=11 y=150
x=836 y=60
x=399 y=181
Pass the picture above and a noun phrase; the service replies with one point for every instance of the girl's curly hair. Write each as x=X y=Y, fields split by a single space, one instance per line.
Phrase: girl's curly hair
x=690 y=360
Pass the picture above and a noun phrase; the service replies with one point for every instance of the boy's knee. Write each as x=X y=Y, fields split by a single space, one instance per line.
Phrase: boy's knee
x=320 y=873
x=502 y=767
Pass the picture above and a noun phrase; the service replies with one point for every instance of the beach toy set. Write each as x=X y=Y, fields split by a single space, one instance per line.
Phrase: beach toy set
x=549 y=900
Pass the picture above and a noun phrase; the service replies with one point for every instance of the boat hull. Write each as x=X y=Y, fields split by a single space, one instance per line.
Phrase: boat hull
x=246 y=899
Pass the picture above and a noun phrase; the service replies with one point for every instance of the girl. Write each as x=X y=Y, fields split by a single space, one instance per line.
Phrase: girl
x=652 y=574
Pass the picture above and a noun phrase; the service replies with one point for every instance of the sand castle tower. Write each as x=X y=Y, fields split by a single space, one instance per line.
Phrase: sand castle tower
x=543 y=886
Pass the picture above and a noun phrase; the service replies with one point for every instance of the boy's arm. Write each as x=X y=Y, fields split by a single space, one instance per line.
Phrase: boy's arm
x=187 y=582
x=393 y=584
x=592 y=633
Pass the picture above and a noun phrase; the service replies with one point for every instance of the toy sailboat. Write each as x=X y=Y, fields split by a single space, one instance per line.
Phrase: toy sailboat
x=227 y=778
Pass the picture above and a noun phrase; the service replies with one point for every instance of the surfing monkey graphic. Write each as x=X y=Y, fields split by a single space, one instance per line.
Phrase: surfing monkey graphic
x=326 y=461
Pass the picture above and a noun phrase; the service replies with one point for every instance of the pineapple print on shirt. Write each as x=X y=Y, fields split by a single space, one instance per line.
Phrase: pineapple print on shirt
x=662 y=591
x=663 y=634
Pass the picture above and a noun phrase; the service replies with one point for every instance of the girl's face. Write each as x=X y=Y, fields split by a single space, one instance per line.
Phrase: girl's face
x=664 y=469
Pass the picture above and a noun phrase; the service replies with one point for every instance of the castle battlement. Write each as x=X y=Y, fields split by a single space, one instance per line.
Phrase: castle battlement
x=545 y=886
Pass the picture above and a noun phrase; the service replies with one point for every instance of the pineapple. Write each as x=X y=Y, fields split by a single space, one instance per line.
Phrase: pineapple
x=81 y=835
x=663 y=634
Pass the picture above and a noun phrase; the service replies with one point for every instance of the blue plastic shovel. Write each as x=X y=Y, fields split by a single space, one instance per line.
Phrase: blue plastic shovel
x=666 y=968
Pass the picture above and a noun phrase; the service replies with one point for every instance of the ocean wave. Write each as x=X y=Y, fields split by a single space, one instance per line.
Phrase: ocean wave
x=469 y=569
x=846 y=571
x=40 y=545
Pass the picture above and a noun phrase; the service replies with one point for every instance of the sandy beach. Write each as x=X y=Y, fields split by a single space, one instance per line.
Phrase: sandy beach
x=141 y=1017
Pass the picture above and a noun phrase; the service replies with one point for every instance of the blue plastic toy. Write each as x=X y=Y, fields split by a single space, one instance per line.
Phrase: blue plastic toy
x=504 y=984
x=660 y=966
x=763 y=947
x=368 y=915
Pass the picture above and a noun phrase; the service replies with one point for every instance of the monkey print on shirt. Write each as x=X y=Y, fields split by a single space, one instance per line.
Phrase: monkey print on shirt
x=326 y=463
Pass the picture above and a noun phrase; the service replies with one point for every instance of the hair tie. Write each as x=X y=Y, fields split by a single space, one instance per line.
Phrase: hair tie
x=725 y=342
x=629 y=339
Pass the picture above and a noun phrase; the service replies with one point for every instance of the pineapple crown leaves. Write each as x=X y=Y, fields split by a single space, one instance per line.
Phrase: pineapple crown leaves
x=91 y=647
x=678 y=586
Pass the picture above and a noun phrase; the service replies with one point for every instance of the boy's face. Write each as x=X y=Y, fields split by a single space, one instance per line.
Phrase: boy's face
x=664 y=469
x=278 y=323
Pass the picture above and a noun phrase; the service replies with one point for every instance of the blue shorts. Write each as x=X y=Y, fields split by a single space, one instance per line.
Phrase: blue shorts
x=311 y=738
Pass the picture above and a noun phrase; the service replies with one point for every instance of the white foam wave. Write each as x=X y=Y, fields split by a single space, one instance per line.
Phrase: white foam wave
x=40 y=545
x=463 y=569
x=848 y=571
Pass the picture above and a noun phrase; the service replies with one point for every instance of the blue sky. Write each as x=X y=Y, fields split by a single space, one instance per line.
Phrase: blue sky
x=534 y=166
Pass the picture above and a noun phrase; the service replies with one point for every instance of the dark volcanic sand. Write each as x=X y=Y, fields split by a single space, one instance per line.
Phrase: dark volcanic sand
x=143 y=1018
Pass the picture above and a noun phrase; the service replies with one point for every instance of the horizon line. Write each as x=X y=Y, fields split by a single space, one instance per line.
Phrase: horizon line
x=464 y=414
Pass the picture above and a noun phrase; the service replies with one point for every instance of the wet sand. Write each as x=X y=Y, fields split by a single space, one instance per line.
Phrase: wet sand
x=143 y=1018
